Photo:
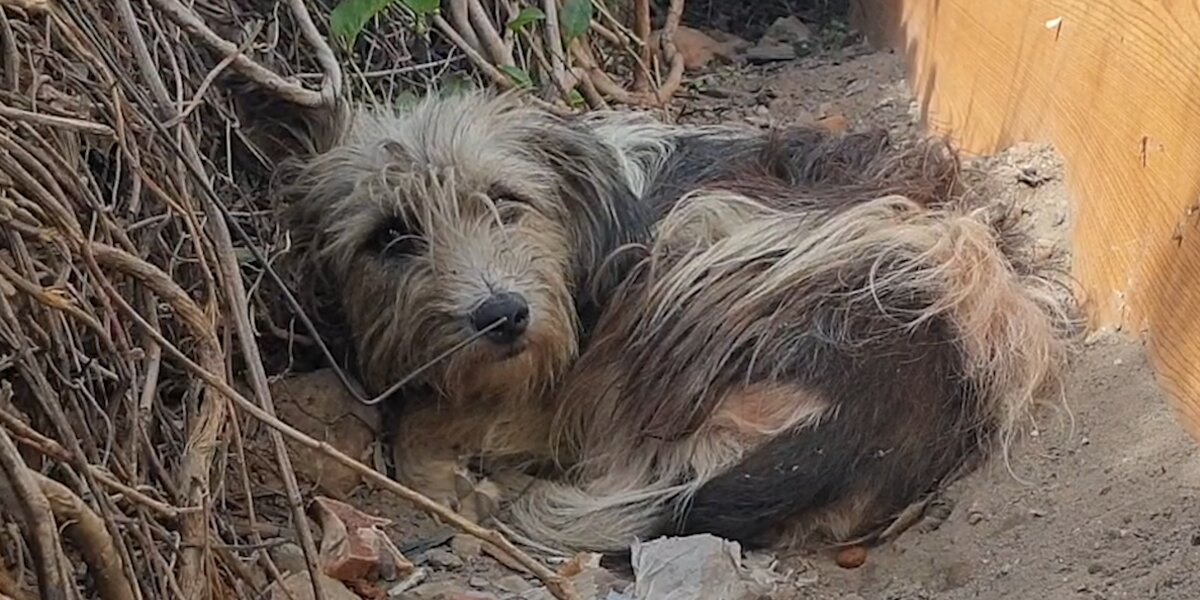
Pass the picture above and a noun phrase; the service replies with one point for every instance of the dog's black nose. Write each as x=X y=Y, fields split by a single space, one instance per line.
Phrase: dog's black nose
x=510 y=307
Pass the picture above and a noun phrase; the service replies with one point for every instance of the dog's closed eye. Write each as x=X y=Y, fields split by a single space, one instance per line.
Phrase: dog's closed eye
x=394 y=238
x=511 y=206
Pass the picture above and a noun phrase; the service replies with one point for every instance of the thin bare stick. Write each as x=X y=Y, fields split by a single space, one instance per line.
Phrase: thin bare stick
x=331 y=88
x=56 y=121
x=37 y=521
x=460 y=15
x=12 y=57
x=477 y=59
x=554 y=42
x=641 y=28
x=189 y=22
x=33 y=7
x=48 y=447
x=675 y=76
x=488 y=35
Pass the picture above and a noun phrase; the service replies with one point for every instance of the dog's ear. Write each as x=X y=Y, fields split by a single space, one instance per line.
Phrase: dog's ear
x=273 y=130
x=605 y=216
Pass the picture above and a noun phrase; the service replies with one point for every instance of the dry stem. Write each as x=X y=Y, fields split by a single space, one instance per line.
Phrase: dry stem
x=38 y=521
x=91 y=538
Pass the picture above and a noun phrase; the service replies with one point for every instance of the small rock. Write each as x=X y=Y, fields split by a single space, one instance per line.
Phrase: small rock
x=1037 y=513
x=717 y=92
x=1095 y=569
x=413 y=580
x=542 y=594
x=827 y=109
x=434 y=590
x=477 y=582
x=697 y=567
x=835 y=124
x=857 y=86
x=790 y=30
x=466 y=546
x=298 y=586
x=975 y=518
x=289 y=557
x=852 y=557
x=444 y=559
x=317 y=404
x=353 y=547
x=696 y=48
x=731 y=42
x=771 y=52
x=513 y=584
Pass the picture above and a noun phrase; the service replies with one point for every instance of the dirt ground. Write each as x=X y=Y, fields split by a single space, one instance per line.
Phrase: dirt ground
x=1101 y=499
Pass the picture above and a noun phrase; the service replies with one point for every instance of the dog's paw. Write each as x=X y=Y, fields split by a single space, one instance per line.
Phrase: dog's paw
x=477 y=498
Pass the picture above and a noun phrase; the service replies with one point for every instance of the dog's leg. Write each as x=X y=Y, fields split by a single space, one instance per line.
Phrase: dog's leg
x=429 y=449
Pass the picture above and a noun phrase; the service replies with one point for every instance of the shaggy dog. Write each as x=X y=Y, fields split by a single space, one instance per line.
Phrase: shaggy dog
x=785 y=336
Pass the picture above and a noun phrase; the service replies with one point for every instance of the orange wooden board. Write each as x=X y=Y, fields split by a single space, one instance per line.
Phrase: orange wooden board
x=1114 y=85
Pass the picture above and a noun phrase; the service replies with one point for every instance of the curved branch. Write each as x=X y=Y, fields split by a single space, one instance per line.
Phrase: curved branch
x=90 y=537
x=38 y=521
x=667 y=39
x=331 y=87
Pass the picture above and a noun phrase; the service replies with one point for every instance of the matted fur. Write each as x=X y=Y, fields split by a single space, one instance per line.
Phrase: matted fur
x=729 y=330
x=911 y=343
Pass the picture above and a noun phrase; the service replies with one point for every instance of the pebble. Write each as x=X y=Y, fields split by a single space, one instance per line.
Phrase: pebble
x=514 y=584
x=466 y=546
x=444 y=559
x=852 y=557
x=289 y=557
x=765 y=53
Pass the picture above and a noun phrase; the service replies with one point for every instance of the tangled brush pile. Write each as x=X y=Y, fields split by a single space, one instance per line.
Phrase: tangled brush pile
x=135 y=289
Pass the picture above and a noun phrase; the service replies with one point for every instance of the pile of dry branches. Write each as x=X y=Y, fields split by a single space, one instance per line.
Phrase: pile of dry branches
x=136 y=294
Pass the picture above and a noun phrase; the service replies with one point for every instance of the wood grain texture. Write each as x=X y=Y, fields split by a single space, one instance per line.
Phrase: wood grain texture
x=1114 y=85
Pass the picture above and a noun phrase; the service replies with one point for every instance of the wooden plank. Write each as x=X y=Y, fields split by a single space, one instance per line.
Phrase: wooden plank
x=1114 y=85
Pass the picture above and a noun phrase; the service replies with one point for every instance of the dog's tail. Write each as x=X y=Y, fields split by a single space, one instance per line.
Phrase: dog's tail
x=929 y=333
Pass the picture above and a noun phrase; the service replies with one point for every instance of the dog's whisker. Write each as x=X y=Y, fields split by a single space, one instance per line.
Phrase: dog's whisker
x=435 y=360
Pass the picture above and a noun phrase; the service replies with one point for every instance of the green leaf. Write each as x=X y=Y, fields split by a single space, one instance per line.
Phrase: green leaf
x=423 y=8
x=520 y=77
x=527 y=15
x=455 y=84
x=350 y=16
x=406 y=99
x=575 y=99
x=576 y=16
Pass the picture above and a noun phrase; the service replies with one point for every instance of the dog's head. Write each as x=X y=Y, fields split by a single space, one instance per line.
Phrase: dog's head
x=465 y=217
